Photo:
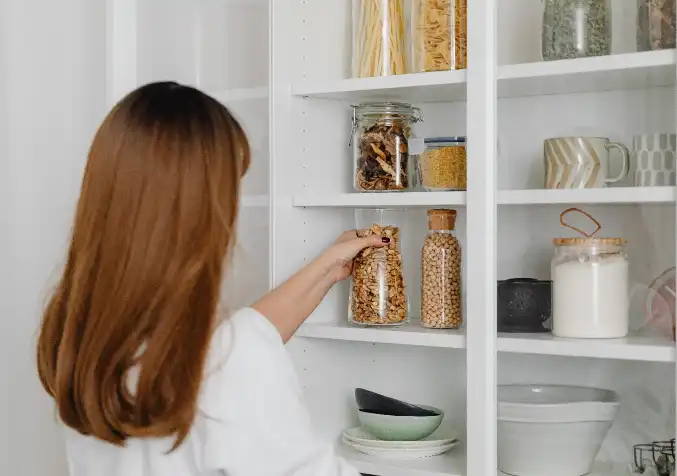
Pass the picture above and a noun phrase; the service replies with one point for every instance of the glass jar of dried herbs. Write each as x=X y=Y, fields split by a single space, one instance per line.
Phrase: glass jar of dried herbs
x=655 y=24
x=576 y=29
x=380 y=141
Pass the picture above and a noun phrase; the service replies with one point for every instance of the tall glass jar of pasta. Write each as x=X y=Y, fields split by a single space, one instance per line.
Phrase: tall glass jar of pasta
x=439 y=35
x=379 y=40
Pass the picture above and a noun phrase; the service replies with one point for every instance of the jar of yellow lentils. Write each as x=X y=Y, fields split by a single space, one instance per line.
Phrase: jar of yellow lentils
x=442 y=165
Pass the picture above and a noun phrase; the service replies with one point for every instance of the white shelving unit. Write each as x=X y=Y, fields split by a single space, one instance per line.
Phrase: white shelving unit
x=282 y=67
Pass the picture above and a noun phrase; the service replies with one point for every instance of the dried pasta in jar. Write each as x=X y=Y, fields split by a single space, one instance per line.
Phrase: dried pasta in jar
x=378 y=38
x=439 y=35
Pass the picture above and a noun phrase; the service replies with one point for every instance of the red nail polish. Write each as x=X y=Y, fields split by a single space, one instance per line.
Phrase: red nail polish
x=385 y=240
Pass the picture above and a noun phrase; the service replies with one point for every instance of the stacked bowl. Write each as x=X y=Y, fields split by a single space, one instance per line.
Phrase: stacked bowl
x=392 y=428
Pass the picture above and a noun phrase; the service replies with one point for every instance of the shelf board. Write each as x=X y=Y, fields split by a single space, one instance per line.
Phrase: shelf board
x=439 y=86
x=598 y=469
x=408 y=334
x=384 y=199
x=601 y=73
x=448 y=464
x=647 y=349
x=615 y=195
x=640 y=348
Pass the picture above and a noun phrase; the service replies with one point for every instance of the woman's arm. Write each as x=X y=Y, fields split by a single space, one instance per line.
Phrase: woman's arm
x=288 y=305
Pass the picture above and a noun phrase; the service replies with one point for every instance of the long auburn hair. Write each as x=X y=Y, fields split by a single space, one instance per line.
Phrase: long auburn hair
x=154 y=225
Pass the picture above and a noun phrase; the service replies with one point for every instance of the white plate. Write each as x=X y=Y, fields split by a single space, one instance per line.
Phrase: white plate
x=400 y=453
x=361 y=437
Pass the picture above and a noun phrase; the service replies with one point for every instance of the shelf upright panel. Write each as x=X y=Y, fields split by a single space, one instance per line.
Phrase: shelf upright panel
x=674 y=107
x=481 y=247
x=121 y=49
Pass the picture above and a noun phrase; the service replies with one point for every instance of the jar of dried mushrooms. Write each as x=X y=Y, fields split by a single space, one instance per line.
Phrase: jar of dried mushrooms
x=655 y=24
x=377 y=292
x=439 y=35
x=380 y=140
x=441 y=273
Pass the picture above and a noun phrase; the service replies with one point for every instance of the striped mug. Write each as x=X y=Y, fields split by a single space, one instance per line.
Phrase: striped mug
x=582 y=162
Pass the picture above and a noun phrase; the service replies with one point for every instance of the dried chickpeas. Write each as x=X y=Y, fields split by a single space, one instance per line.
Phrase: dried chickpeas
x=377 y=293
x=441 y=274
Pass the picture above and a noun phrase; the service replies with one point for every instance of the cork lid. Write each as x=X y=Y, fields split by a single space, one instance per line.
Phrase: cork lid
x=589 y=241
x=441 y=219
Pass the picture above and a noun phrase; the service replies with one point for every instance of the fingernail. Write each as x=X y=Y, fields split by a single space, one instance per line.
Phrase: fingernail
x=385 y=240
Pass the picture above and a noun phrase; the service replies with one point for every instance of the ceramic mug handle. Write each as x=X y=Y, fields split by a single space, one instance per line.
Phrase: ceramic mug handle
x=626 y=161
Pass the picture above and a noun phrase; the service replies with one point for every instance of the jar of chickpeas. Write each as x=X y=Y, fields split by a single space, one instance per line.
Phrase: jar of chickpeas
x=441 y=273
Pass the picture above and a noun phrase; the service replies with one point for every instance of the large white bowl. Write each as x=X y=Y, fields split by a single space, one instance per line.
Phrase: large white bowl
x=552 y=429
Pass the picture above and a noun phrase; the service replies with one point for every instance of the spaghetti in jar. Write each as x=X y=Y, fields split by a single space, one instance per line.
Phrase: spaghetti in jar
x=379 y=44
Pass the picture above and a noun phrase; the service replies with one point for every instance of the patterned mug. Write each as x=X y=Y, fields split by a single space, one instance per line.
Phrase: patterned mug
x=582 y=162
x=654 y=156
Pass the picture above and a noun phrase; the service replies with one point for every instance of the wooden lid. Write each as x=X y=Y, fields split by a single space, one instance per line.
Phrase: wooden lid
x=589 y=241
x=441 y=219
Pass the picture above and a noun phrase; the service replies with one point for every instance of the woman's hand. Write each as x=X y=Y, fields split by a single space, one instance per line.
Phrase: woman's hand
x=340 y=255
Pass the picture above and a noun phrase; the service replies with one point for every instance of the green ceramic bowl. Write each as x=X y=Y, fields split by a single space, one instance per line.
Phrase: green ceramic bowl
x=400 y=428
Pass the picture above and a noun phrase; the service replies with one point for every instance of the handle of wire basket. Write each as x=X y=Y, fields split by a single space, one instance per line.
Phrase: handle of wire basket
x=574 y=209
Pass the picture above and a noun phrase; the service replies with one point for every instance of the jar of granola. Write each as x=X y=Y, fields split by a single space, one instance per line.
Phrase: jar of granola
x=377 y=292
x=380 y=140
x=441 y=273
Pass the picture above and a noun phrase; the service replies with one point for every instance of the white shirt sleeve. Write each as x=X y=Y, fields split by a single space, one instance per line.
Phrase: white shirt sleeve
x=254 y=419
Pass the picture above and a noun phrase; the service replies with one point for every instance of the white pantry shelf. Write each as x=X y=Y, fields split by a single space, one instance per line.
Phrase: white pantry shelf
x=409 y=334
x=449 y=464
x=640 y=348
x=441 y=86
x=384 y=199
x=602 y=73
x=617 y=195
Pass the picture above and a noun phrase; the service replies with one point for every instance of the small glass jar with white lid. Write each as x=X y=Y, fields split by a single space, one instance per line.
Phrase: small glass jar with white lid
x=590 y=288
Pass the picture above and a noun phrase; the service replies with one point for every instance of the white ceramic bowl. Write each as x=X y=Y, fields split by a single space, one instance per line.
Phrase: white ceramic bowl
x=552 y=429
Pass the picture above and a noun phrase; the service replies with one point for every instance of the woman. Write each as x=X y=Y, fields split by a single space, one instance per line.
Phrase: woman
x=148 y=378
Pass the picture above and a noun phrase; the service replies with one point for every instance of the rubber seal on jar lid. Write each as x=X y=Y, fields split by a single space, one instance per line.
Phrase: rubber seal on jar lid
x=441 y=219
x=445 y=140
x=589 y=241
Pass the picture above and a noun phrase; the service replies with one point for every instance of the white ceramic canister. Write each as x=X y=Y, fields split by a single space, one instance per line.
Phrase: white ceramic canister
x=590 y=296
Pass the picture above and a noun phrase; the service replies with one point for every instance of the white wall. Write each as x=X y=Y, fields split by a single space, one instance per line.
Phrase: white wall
x=52 y=93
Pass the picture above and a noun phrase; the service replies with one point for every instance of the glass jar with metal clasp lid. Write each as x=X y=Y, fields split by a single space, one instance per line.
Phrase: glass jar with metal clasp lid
x=380 y=141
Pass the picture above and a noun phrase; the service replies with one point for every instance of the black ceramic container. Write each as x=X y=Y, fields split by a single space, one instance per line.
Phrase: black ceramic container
x=373 y=402
x=524 y=305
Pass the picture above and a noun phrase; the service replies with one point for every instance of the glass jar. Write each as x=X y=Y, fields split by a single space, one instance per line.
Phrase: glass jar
x=380 y=140
x=377 y=291
x=439 y=35
x=441 y=273
x=590 y=288
x=655 y=24
x=576 y=28
x=379 y=44
x=442 y=166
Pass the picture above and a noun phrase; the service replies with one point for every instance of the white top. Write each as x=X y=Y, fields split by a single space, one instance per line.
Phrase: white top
x=251 y=420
